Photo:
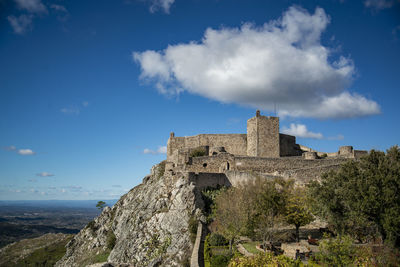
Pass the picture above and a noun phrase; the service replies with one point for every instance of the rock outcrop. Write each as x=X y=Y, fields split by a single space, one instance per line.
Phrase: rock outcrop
x=148 y=226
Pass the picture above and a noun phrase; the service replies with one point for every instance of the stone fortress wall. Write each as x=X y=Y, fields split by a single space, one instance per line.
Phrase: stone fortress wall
x=230 y=159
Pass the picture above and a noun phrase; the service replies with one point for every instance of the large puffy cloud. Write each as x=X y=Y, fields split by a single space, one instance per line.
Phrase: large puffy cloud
x=281 y=63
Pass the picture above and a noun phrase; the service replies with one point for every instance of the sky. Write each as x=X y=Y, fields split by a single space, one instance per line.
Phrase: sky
x=90 y=90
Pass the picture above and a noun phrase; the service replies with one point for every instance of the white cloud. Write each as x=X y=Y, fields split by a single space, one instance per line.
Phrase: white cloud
x=20 y=24
x=160 y=150
x=45 y=174
x=300 y=130
x=165 y=5
x=32 y=6
x=75 y=109
x=379 y=4
x=282 y=62
x=25 y=152
x=71 y=110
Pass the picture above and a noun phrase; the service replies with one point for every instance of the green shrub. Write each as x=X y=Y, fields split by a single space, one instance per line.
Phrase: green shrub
x=267 y=259
x=198 y=152
x=102 y=257
x=111 y=239
x=217 y=240
x=219 y=261
x=338 y=251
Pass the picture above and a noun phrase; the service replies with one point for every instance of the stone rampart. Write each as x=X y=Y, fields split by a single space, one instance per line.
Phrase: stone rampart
x=233 y=143
x=204 y=180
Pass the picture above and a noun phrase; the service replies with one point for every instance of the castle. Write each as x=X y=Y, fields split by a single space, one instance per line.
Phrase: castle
x=228 y=159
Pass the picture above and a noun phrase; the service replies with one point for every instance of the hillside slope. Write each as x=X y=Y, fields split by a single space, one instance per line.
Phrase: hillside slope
x=148 y=226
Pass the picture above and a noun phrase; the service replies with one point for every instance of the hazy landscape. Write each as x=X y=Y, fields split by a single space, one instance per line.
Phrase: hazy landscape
x=28 y=219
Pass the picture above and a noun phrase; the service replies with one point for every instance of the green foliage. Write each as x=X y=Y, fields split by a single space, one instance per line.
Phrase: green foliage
x=46 y=256
x=100 y=205
x=209 y=195
x=297 y=212
x=216 y=239
x=263 y=259
x=111 y=239
x=193 y=224
x=219 y=261
x=253 y=209
x=198 y=152
x=338 y=251
x=324 y=155
x=102 y=257
x=362 y=198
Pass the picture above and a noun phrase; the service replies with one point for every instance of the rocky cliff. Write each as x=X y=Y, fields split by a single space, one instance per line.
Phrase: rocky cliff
x=148 y=226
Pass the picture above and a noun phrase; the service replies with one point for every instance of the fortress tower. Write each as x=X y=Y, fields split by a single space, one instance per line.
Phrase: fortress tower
x=263 y=136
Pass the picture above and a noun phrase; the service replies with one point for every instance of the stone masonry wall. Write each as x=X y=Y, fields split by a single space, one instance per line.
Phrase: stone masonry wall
x=277 y=166
x=233 y=143
x=288 y=146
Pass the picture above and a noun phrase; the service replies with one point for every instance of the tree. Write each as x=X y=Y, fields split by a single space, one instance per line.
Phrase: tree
x=362 y=197
x=230 y=214
x=100 y=205
x=270 y=197
x=296 y=211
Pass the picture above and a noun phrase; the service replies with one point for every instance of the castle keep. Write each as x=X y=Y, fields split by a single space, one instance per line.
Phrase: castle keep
x=228 y=159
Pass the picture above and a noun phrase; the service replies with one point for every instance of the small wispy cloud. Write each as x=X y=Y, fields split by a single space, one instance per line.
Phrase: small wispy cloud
x=25 y=152
x=32 y=180
x=20 y=24
x=62 y=12
x=9 y=148
x=160 y=150
x=71 y=110
x=32 y=6
x=164 y=5
x=300 y=130
x=75 y=109
x=45 y=174
x=116 y=185
x=379 y=4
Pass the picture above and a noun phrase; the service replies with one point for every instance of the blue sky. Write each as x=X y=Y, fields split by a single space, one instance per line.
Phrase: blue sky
x=90 y=90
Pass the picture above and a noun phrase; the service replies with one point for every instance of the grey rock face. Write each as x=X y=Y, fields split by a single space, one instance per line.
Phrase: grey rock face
x=150 y=225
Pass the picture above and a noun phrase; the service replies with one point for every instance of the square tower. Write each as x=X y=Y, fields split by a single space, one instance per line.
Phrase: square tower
x=263 y=136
